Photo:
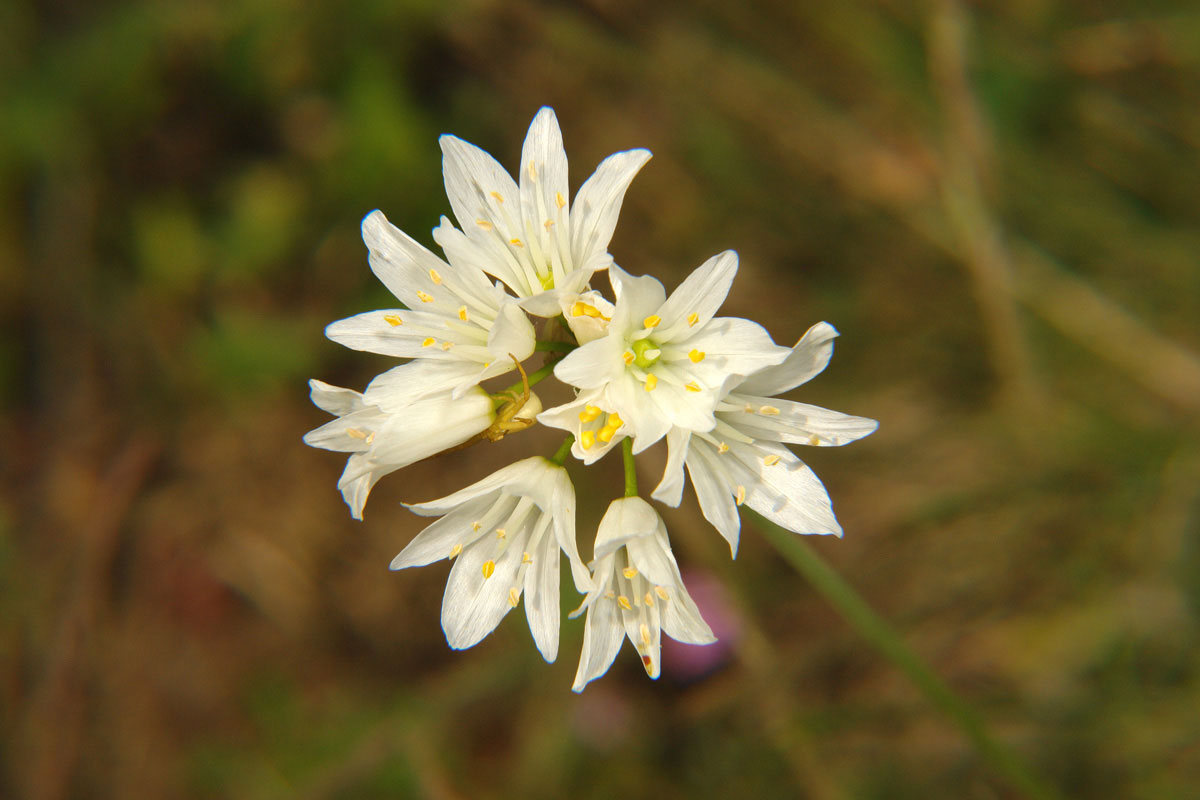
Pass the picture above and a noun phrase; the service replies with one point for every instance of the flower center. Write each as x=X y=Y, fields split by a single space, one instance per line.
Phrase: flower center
x=645 y=353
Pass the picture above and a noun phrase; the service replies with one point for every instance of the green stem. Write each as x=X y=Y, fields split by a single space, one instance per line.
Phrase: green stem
x=560 y=456
x=630 y=471
x=537 y=376
x=888 y=642
x=554 y=347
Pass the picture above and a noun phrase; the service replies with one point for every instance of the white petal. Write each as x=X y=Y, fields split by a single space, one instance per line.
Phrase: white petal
x=701 y=293
x=561 y=509
x=787 y=493
x=397 y=259
x=732 y=345
x=714 y=491
x=799 y=423
x=596 y=206
x=626 y=518
x=593 y=365
x=602 y=635
x=357 y=479
x=533 y=477
x=644 y=420
x=334 y=399
x=431 y=425
x=372 y=333
x=511 y=334
x=335 y=435
x=481 y=253
x=394 y=390
x=810 y=355
x=541 y=592
x=472 y=605
x=670 y=488
x=438 y=539
x=681 y=618
x=637 y=298
x=472 y=176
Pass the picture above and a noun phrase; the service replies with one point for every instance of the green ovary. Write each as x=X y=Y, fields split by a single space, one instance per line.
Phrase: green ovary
x=639 y=353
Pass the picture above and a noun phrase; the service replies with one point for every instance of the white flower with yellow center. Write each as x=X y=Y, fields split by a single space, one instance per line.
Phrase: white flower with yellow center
x=742 y=459
x=527 y=234
x=385 y=429
x=661 y=361
x=464 y=328
x=504 y=534
x=637 y=592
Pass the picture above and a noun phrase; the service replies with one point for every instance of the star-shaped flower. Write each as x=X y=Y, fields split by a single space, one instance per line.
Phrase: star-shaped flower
x=742 y=461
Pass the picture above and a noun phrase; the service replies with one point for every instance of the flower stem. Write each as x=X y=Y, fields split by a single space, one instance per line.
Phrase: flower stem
x=889 y=643
x=554 y=347
x=537 y=376
x=630 y=471
x=560 y=456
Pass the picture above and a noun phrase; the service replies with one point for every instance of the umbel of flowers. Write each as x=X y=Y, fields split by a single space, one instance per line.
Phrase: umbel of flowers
x=516 y=281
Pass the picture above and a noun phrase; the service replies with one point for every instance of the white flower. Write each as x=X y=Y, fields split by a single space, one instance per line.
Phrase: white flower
x=741 y=460
x=637 y=592
x=384 y=429
x=662 y=361
x=506 y=532
x=463 y=328
x=527 y=235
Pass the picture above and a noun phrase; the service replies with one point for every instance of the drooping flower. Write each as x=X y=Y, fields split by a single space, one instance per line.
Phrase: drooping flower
x=742 y=459
x=460 y=327
x=527 y=234
x=661 y=361
x=637 y=592
x=386 y=428
x=504 y=533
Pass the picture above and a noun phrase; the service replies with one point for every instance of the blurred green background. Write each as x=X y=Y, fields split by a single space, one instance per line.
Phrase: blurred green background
x=995 y=203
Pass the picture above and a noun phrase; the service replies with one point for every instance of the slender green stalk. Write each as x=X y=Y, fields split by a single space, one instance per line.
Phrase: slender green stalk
x=554 y=347
x=560 y=455
x=889 y=643
x=630 y=470
x=537 y=376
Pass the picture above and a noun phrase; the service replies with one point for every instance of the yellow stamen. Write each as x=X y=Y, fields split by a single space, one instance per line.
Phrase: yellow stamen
x=489 y=567
x=587 y=439
x=589 y=413
x=454 y=551
x=558 y=200
x=393 y=320
x=771 y=460
x=722 y=448
x=514 y=597
x=355 y=433
x=814 y=440
x=483 y=223
x=649 y=599
x=629 y=572
x=370 y=437
x=645 y=632
x=606 y=434
x=532 y=172
x=496 y=195
x=582 y=309
x=425 y=297
x=463 y=315
x=501 y=533
x=651 y=382
x=516 y=242
x=770 y=411
x=614 y=421
x=692 y=386
x=661 y=591
x=430 y=342
x=740 y=497
x=475 y=526
x=549 y=224
x=696 y=356
x=435 y=277
x=652 y=321
x=526 y=558
x=628 y=357
x=624 y=603
x=447 y=345
x=692 y=319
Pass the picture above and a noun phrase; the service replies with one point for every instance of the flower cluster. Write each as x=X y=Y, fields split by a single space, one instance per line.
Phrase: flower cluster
x=516 y=280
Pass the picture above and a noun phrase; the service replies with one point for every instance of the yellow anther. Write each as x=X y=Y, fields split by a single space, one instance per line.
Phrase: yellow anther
x=558 y=200
x=606 y=434
x=645 y=632
x=614 y=421
x=652 y=321
x=425 y=296
x=489 y=567
x=370 y=437
x=483 y=223
x=589 y=413
x=526 y=558
x=749 y=409
x=430 y=342
x=587 y=440
x=814 y=440
x=516 y=242
x=435 y=277
x=532 y=172
x=628 y=357
x=393 y=320
x=722 y=448
x=624 y=603
x=610 y=594
x=770 y=411
x=771 y=460
x=692 y=319
x=692 y=386
x=454 y=551
x=501 y=533
x=496 y=195
x=582 y=309
x=661 y=591
x=649 y=599
x=740 y=497
x=696 y=356
x=514 y=597
x=651 y=382
x=549 y=224
x=355 y=433
x=463 y=315
x=475 y=526
x=629 y=572
x=447 y=345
